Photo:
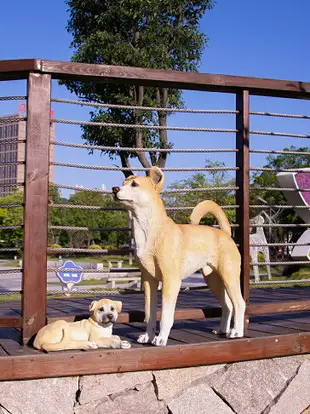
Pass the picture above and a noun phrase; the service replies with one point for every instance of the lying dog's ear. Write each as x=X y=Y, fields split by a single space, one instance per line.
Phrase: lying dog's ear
x=92 y=305
x=157 y=178
x=118 y=306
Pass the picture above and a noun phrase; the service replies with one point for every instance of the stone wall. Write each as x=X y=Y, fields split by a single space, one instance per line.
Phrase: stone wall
x=275 y=386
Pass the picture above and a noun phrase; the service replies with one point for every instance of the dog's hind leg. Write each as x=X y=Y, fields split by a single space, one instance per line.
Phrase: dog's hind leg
x=232 y=286
x=170 y=291
x=216 y=286
x=150 y=285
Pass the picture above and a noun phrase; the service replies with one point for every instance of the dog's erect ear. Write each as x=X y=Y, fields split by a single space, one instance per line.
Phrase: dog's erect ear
x=118 y=306
x=157 y=177
x=92 y=305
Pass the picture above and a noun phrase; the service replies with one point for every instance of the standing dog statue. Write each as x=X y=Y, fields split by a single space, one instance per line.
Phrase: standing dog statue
x=92 y=333
x=169 y=252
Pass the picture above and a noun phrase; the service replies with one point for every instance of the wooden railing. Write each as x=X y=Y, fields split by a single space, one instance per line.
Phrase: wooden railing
x=39 y=73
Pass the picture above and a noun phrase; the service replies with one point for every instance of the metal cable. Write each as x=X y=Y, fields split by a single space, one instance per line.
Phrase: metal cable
x=11 y=227
x=78 y=206
x=280 y=225
x=255 y=151
x=12 y=119
x=51 y=250
x=13 y=98
x=280 y=189
x=72 y=228
x=90 y=190
x=276 y=206
x=12 y=270
x=277 y=169
x=56 y=270
x=10 y=205
x=271 y=282
x=178 y=190
x=145 y=108
x=280 y=115
x=106 y=168
x=103 y=292
x=283 y=263
x=9 y=249
x=130 y=149
x=134 y=126
x=279 y=134
x=10 y=140
x=280 y=244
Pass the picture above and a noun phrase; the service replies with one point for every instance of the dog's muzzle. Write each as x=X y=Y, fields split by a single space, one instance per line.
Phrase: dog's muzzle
x=115 y=190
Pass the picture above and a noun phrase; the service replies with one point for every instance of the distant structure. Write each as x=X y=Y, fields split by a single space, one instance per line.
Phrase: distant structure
x=297 y=181
x=12 y=152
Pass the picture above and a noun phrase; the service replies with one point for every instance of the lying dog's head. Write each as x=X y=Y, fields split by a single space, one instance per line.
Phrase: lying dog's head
x=140 y=191
x=105 y=311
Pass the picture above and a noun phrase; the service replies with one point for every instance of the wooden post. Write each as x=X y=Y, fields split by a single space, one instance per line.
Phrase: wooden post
x=36 y=205
x=243 y=195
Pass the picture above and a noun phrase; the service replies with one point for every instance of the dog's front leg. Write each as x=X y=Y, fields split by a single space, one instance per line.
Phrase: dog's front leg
x=113 y=342
x=170 y=291
x=150 y=285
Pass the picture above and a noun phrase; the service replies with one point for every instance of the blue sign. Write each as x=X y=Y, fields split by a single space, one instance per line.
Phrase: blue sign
x=69 y=279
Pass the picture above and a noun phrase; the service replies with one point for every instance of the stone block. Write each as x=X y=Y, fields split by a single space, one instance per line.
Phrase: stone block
x=173 y=381
x=96 y=387
x=296 y=397
x=249 y=387
x=132 y=401
x=43 y=396
x=200 y=399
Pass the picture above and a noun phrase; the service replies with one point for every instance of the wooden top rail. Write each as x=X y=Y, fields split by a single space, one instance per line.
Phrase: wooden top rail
x=19 y=69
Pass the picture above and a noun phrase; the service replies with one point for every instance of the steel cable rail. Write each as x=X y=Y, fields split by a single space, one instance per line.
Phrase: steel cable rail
x=141 y=126
x=144 y=108
x=181 y=110
x=107 y=168
x=264 y=151
x=178 y=190
x=82 y=207
x=151 y=149
x=13 y=98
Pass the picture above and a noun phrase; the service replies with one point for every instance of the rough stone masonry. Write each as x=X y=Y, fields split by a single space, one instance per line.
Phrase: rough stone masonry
x=275 y=386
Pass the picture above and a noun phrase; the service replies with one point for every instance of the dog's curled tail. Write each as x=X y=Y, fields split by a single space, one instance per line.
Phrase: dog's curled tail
x=209 y=206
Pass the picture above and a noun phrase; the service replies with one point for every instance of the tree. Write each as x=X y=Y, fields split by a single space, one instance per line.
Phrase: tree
x=215 y=178
x=162 y=34
x=77 y=217
x=12 y=216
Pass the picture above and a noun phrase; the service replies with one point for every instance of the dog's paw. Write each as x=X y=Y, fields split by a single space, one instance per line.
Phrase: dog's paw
x=125 y=345
x=219 y=332
x=144 y=338
x=116 y=342
x=233 y=333
x=91 y=345
x=159 y=341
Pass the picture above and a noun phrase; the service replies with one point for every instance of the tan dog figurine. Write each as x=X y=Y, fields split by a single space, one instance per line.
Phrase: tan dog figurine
x=169 y=252
x=92 y=333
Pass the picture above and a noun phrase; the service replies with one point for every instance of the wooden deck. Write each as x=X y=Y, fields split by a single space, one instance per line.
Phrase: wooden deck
x=191 y=341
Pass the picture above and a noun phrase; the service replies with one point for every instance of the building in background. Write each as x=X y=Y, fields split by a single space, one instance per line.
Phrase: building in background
x=12 y=152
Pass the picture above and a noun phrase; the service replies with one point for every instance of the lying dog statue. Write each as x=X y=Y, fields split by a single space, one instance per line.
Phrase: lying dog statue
x=169 y=252
x=92 y=333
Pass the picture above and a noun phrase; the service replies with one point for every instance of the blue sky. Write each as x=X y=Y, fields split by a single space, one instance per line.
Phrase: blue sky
x=247 y=38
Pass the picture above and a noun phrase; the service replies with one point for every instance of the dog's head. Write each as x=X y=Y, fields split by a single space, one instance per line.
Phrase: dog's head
x=105 y=311
x=137 y=192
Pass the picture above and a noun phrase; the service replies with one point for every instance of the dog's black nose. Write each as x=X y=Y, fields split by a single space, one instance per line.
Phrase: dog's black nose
x=110 y=315
x=115 y=190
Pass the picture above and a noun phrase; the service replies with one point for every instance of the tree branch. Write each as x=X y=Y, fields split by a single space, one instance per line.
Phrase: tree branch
x=139 y=141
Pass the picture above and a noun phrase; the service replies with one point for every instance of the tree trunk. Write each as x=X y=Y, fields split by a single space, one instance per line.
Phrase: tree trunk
x=162 y=100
